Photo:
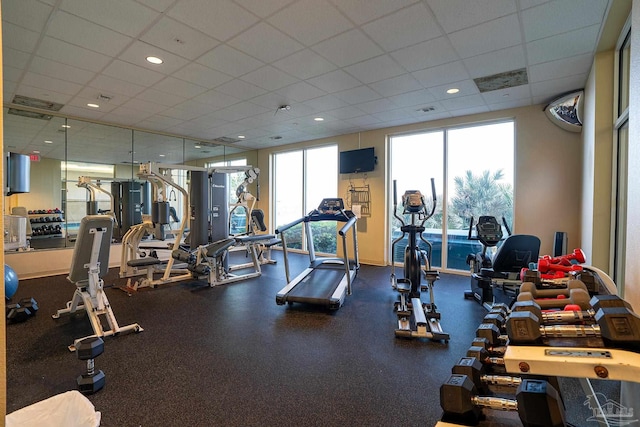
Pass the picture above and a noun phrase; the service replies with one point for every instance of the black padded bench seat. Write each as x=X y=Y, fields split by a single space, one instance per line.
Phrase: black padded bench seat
x=144 y=262
x=258 y=238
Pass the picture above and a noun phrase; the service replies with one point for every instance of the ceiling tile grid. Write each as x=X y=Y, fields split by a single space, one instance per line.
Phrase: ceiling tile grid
x=230 y=65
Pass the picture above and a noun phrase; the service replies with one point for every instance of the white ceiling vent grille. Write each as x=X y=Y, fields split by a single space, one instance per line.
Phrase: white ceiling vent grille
x=502 y=80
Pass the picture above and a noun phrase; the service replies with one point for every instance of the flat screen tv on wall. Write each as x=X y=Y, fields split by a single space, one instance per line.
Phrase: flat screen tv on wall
x=354 y=161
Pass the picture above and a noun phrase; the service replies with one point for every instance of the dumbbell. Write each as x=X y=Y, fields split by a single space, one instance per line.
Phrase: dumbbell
x=491 y=363
x=571 y=313
x=545 y=266
x=577 y=255
x=16 y=313
x=616 y=326
x=491 y=349
x=537 y=402
x=476 y=371
x=577 y=297
x=491 y=333
x=88 y=349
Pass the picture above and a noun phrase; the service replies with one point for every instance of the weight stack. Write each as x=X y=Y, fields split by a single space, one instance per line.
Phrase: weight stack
x=199 y=209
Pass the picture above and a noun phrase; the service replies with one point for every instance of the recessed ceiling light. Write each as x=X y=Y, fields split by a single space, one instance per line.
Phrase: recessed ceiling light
x=161 y=155
x=318 y=119
x=154 y=60
x=452 y=91
x=197 y=146
x=36 y=152
x=93 y=105
x=66 y=126
x=241 y=136
x=48 y=142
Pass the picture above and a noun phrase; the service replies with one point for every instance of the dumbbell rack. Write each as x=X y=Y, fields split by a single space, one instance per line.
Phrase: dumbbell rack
x=41 y=218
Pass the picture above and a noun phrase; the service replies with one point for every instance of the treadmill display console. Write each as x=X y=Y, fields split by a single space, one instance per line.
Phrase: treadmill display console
x=331 y=205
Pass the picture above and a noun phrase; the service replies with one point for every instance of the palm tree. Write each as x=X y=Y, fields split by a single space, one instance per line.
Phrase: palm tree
x=477 y=195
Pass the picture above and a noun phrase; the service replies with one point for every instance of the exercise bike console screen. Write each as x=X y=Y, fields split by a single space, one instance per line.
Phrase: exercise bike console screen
x=489 y=230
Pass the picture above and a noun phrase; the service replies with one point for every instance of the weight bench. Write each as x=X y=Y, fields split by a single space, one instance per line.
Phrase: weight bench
x=148 y=263
x=89 y=263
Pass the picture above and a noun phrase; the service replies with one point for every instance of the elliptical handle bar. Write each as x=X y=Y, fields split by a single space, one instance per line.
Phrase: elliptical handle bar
x=433 y=202
x=283 y=228
x=504 y=221
x=395 y=204
x=470 y=230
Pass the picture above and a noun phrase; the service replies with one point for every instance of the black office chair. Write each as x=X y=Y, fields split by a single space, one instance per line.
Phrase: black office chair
x=515 y=253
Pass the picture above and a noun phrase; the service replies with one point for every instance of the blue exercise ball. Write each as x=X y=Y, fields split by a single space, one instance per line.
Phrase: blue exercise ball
x=10 y=282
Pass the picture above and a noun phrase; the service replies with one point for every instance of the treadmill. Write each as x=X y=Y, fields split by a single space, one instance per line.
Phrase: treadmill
x=326 y=281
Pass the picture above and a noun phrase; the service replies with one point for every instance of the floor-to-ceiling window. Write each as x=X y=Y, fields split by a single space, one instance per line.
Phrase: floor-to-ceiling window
x=302 y=178
x=620 y=167
x=473 y=171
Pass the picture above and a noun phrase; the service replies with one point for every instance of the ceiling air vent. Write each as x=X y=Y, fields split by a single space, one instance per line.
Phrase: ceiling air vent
x=502 y=80
x=226 y=140
x=29 y=114
x=40 y=104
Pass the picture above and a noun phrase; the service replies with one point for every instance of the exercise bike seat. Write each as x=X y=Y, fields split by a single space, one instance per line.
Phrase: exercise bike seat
x=515 y=253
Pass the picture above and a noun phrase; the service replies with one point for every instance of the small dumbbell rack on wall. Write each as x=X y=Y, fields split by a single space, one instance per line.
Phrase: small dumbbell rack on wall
x=46 y=223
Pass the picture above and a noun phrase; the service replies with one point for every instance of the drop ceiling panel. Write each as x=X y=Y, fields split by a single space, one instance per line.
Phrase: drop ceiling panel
x=178 y=38
x=179 y=87
x=72 y=55
x=560 y=17
x=442 y=74
x=264 y=8
x=396 y=85
x=466 y=87
x=304 y=64
x=202 y=76
x=424 y=55
x=223 y=22
x=29 y=14
x=560 y=68
x=128 y=17
x=348 y=48
x=138 y=51
x=60 y=71
x=334 y=81
x=111 y=86
x=498 y=61
x=357 y=95
x=564 y=45
x=375 y=69
x=269 y=78
x=132 y=73
x=454 y=15
x=298 y=92
x=50 y=83
x=265 y=43
x=300 y=21
x=81 y=32
x=230 y=61
x=489 y=36
x=21 y=39
x=361 y=11
x=422 y=98
x=240 y=89
x=159 y=5
x=405 y=27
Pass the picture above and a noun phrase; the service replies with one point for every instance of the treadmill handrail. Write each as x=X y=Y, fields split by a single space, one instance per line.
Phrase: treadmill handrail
x=347 y=226
x=282 y=228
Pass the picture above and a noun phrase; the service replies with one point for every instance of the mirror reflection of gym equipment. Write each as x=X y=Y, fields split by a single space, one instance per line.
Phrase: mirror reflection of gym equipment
x=202 y=251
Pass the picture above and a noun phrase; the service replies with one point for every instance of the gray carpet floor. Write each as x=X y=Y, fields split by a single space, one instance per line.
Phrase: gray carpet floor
x=230 y=356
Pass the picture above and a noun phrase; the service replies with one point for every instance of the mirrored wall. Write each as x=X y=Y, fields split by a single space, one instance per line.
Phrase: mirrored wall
x=79 y=167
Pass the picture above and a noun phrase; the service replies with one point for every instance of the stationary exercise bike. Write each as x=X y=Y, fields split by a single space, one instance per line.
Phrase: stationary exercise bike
x=415 y=318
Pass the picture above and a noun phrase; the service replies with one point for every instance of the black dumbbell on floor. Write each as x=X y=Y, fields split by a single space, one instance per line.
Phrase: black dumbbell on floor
x=537 y=403
x=616 y=326
x=476 y=371
x=571 y=316
x=88 y=349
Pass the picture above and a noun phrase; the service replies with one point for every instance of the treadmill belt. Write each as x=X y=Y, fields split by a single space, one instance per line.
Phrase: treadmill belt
x=317 y=287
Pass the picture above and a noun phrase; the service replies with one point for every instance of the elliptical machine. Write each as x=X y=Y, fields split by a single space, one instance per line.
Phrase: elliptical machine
x=415 y=318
